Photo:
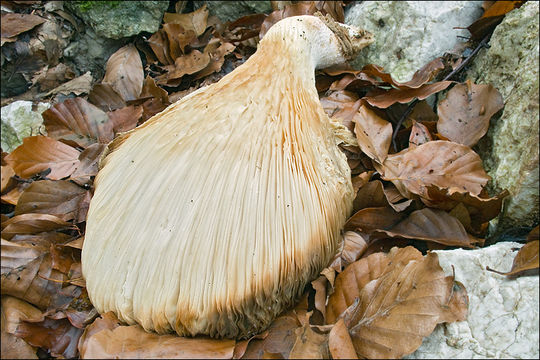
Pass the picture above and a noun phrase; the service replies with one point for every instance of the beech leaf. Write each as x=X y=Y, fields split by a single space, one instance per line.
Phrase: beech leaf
x=465 y=113
x=526 y=261
x=32 y=224
x=309 y=344
x=373 y=133
x=340 y=343
x=419 y=134
x=59 y=198
x=14 y=24
x=88 y=163
x=125 y=72
x=39 y=153
x=195 y=21
x=78 y=121
x=442 y=163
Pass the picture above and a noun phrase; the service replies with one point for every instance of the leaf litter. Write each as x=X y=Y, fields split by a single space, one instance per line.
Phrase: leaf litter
x=429 y=192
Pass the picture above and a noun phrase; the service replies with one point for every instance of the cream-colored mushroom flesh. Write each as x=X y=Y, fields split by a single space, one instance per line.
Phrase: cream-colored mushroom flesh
x=212 y=216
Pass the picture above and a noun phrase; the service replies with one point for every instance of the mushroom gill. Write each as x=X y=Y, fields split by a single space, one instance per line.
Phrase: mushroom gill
x=212 y=216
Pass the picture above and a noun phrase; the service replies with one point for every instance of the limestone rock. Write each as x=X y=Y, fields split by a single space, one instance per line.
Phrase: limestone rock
x=409 y=34
x=503 y=313
x=232 y=10
x=20 y=121
x=510 y=149
x=118 y=19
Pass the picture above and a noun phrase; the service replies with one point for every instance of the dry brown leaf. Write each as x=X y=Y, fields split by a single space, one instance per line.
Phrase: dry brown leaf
x=135 y=343
x=32 y=224
x=184 y=65
x=50 y=78
x=217 y=59
x=396 y=311
x=373 y=194
x=340 y=343
x=28 y=275
x=12 y=196
x=433 y=225
x=526 y=261
x=59 y=336
x=78 y=121
x=88 y=163
x=79 y=85
x=491 y=17
x=419 y=134
x=309 y=344
x=124 y=72
x=195 y=21
x=354 y=246
x=280 y=339
x=304 y=8
x=7 y=181
x=126 y=118
x=533 y=235
x=159 y=98
x=465 y=113
x=373 y=133
x=405 y=95
x=442 y=163
x=104 y=97
x=14 y=24
x=13 y=311
x=60 y=198
x=107 y=321
x=373 y=218
x=39 y=153
x=457 y=307
x=341 y=105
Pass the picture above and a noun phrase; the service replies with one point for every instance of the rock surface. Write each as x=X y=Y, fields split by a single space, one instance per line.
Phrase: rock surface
x=503 y=313
x=20 y=121
x=510 y=150
x=118 y=19
x=409 y=34
x=232 y=10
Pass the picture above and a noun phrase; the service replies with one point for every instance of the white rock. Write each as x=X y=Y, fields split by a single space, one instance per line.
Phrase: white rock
x=409 y=34
x=510 y=149
x=503 y=313
x=20 y=121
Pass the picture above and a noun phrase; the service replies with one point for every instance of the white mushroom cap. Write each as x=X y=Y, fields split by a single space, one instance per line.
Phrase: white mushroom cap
x=212 y=216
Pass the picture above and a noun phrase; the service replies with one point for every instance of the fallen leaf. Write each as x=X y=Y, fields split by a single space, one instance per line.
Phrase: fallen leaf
x=373 y=133
x=457 y=307
x=78 y=121
x=442 y=163
x=533 y=235
x=124 y=72
x=280 y=340
x=432 y=225
x=342 y=105
x=28 y=275
x=354 y=246
x=32 y=224
x=340 y=343
x=14 y=24
x=7 y=181
x=419 y=135
x=195 y=21
x=303 y=8
x=104 y=97
x=39 y=153
x=79 y=85
x=58 y=336
x=396 y=311
x=188 y=64
x=419 y=78
x=50 y=78
x=373 y=218
x=465 y=113
x=13 y=310
x=126 y=118
x=492 y=17
x=373 y=194
x=309 y=344
x=88 y=163
x=60 y=198
x=133 y=342
x=526 y=261
x=217 y=58
x=405 y=95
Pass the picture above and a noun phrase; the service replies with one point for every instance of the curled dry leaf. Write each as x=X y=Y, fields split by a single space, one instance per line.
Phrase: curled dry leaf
x=80 y=85
x=39 y=153
x=396 y=311
x=419 y=134
x=32 y=224
x=390 y=97
x=13 y=311
x=526 y=261
x=373 y=194
x=340 y=343
x=533 y=235
x=195 y=21
x=133 y=342
x=78 y=121
x=126 y=118
x=373 y=218
x=442 y=163
x=124 y=72
x=28 y=275
x=88 y=163
x=7 y=181
x=419 y=78
x=58 y=336
x=59 y=198
x=14 y=24
x=493 y=16
x=341 y=105
x=104 y=97
x=465 y=113
x=373 y=133
x=309 y=344
x=432 y=225
x=184 y=65
x=217 y=58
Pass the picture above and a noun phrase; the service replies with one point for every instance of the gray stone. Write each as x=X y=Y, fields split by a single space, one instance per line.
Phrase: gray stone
x=20 y=121
x=232 y=10
x=510 y=149
x=409 y=34
x=503 y=313
x=118 y=19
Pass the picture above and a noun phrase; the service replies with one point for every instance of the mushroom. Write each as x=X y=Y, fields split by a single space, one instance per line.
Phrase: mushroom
x=211 y=217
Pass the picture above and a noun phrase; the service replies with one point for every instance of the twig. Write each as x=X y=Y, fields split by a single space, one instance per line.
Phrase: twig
x=411 y=106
